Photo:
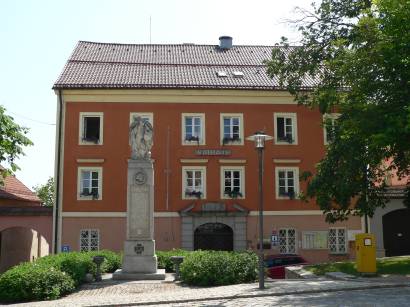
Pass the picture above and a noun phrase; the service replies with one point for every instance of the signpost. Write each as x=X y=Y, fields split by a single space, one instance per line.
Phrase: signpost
x=274 y=239
x=65 y=248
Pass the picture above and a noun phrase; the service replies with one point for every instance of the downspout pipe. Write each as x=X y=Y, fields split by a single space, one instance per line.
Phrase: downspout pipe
x=57 y=172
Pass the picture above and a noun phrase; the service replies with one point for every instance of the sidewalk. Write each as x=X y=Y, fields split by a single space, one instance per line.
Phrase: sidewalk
x=139 y=293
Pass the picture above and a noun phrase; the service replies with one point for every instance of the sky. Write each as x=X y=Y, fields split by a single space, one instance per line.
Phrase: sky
x=38 y=36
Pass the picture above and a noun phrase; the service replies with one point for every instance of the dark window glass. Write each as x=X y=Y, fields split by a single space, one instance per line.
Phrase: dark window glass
x=280 y=124
x=91 y=129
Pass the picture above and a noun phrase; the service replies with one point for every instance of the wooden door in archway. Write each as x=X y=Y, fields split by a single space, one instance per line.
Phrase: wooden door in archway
x=396 y=232
x=213 y=236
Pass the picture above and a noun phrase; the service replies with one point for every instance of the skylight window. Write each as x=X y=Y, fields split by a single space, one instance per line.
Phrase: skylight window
x=238 y=74
x=221 y=73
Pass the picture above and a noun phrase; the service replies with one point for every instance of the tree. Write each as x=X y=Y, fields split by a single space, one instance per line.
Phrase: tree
x=358 y=54
x=46 y=192
x=12 y=139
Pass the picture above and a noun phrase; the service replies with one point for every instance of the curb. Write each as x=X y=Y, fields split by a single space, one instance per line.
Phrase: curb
x=383 y=286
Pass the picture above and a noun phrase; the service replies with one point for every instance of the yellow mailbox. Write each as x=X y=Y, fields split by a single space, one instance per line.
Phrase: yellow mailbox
x=365 y=253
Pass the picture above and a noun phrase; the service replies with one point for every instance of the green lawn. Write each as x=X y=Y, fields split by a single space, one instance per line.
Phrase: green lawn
x=392 y=265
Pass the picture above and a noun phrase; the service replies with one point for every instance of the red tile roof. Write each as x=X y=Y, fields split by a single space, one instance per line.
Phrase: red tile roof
x=106 y=65
x=14 y=189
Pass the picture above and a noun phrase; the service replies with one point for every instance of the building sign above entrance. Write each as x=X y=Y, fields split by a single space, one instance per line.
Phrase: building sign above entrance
x=213 y=152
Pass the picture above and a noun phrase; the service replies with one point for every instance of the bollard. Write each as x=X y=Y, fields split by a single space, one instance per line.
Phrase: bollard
x=98 y=260
x=177 y=260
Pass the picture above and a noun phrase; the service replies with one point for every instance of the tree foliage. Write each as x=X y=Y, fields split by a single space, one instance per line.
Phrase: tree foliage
x=358 y=54
x=12 y=140
x=46 y=192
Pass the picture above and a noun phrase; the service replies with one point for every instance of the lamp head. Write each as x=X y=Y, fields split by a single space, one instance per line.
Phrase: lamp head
x=259 y=138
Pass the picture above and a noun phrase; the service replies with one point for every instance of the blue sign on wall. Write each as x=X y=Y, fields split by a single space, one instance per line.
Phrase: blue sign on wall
x=65 y=248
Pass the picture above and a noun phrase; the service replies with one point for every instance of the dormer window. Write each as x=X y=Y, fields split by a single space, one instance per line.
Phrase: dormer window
x=238 y=74
x=221 y=74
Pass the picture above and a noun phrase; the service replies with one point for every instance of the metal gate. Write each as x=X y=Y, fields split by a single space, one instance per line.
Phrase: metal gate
x=213 y=236
x=396 y=232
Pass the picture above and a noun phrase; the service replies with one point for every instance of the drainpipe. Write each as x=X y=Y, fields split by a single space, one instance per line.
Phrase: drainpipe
x=57 y=172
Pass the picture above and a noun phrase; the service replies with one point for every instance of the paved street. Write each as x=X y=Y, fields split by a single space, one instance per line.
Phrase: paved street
x=373 y=297
x=359 y=292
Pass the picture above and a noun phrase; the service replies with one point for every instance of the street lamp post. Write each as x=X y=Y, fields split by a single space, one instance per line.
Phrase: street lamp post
x=259 y=139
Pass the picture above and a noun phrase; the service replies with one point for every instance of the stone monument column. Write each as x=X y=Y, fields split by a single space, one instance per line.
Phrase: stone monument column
x=140 y=261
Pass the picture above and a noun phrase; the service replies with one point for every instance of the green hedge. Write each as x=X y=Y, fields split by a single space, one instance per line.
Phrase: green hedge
x=215 y=268
x=164 y=258
x=52 y=276
x=32 y=281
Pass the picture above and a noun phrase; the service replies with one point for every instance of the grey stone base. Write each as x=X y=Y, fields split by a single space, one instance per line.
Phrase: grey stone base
x=145 y=261
x=120 y=275
x=139 y=264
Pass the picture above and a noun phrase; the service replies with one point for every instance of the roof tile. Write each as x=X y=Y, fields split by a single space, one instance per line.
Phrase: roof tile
x=15 y=189
x=101 y=65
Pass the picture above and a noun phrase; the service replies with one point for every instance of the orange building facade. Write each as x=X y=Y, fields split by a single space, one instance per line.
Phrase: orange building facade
x=206 y=173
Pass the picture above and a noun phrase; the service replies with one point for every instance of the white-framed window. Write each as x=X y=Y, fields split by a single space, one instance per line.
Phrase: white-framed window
x=314 y=239
x=287 y=182
x=287 y=241
x=193 y=182
x=89 y=183
x=91 y=128
x=285 y=125
x=193 y=129
x=232 y=182
x=231 y=129
x=89 y=240
x=329 y=126
x=337 y=240
x=147 y=116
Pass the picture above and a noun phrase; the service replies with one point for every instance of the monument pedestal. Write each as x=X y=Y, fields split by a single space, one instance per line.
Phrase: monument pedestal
x=139 y=261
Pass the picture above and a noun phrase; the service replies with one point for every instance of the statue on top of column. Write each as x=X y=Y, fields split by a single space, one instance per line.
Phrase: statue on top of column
x=141 y=138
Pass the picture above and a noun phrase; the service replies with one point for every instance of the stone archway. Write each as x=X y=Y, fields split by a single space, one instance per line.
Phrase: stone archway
x=213 y=236
x=396 y=232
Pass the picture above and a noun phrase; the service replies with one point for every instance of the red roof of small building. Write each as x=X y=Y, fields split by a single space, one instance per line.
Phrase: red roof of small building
x=14 y=189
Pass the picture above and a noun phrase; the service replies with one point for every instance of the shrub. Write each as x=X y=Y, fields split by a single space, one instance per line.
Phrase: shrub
x=164 y=258
x=33 y=281
x=52 y=276
x=214 y=268
x=75 y=264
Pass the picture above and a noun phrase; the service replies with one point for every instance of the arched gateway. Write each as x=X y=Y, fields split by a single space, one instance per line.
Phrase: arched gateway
x=213 y=236
x=396 y=232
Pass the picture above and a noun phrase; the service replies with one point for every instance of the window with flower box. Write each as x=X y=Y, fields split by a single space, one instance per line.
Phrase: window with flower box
x=285 y=125
x=91 y=128
x=287 y=182
x=233 y=182
x=89 y=183
x=193 y=129
x=194 y=178
x=232 y=129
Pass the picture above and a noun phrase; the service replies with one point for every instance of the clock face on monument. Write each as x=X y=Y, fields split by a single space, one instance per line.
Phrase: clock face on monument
x=140 y=177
